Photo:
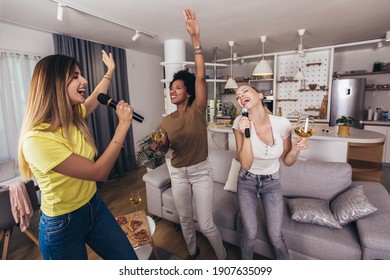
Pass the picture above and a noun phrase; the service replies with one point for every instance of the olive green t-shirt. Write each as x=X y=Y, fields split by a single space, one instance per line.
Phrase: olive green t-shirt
x=187 y=135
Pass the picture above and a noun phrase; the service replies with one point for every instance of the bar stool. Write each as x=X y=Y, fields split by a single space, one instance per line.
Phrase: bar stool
x=7 y=221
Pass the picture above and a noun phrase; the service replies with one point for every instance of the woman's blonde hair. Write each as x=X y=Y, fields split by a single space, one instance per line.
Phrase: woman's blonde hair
x=255 y=89
x=48 y=102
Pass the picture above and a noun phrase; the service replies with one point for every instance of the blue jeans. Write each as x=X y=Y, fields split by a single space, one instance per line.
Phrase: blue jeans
x=65 y=237
x=251 y=187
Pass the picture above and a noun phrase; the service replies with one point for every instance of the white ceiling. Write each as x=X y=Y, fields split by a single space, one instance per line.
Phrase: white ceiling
x=327 y=22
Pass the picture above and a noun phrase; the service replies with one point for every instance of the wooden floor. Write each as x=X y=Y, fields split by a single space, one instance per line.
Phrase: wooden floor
x=116 y=195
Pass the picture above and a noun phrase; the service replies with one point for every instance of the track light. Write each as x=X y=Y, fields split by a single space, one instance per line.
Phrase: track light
x=60 y=11
x=136 y=35
x=300 y=46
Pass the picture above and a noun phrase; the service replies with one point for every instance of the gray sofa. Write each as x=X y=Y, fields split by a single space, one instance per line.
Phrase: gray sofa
x=367 y=238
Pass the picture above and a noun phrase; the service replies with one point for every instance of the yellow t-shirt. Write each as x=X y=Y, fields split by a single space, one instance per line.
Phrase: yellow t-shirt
x=43 y=151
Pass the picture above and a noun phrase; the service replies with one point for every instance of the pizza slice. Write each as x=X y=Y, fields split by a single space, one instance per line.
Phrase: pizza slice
x=121 y=220
x=141 y=236
x=134 y=225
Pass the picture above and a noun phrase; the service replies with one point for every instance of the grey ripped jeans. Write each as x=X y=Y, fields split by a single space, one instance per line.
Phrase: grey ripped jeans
x=251 y=187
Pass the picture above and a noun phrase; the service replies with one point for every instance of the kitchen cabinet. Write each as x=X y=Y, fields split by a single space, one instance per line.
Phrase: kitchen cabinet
x=385 y=130
x=365 y=160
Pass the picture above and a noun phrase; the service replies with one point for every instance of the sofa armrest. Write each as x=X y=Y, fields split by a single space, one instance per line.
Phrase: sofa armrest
x=156 y=182
x=374 y=230
x=158 y=177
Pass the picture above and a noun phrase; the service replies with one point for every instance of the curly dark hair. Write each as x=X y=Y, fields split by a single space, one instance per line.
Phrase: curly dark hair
x=189 y=81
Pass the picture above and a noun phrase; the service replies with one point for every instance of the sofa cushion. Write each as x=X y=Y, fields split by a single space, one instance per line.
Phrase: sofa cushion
x=223 y=216
x=319 y=242
x=316 y=179
x=231 y=183
x=312 y=210
x=351 y=205
x=220 y=160
x=225 y=207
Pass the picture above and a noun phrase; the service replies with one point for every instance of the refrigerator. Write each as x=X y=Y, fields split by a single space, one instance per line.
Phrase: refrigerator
x=348 y=100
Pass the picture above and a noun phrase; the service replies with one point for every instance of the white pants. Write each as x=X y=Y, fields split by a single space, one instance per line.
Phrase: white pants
x=193 y=186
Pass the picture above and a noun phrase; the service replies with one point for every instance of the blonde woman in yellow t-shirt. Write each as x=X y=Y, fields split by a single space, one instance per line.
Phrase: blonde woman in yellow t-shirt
x=57 y=149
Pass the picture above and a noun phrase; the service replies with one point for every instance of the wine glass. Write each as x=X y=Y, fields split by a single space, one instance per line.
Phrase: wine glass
x=304 y=127
x=156 y=134
x=135 y=199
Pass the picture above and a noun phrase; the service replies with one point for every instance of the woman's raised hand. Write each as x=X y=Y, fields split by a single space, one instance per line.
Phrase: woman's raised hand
x=108 y=60
x=191 y=20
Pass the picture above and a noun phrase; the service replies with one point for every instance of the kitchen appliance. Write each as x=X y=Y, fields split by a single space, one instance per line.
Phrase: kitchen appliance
x=348 y=100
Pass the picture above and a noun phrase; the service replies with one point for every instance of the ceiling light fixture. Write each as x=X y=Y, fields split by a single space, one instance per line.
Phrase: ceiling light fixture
x=63 y=3
x=387 y=36
x=60 y=11
x=262 y=68
x=300 y=46
x=231 y=83
x=136 y=35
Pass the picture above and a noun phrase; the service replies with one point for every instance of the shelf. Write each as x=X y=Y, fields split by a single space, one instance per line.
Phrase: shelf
x=361 y=74
x=292 y=81
x=364 y=166
x=192 y=64
x=377 y=89
x=313 y=64
x=207 y=81
x=300 y=90
x=286 y=99
x=308 y=109
x=260 y=80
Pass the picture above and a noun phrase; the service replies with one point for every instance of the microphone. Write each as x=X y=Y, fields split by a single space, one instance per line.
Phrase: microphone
x=245 y=113
x=107 y=100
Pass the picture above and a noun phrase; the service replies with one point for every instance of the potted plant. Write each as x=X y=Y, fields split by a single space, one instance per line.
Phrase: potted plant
x=147 y=157
x=344 y=124
x=232 y=113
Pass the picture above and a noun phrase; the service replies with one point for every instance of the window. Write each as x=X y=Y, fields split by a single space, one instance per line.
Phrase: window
x=15 y=76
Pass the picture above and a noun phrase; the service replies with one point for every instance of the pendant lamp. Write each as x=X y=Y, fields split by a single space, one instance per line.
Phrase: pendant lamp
x=300 y=46
x=231 y=83
x=262 y=68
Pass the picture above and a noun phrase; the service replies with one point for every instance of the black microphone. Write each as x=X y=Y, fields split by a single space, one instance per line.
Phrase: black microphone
x=244 y=112
x=107 y=100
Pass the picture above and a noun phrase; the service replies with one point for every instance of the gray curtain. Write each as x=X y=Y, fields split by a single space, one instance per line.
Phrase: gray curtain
x=103 y=121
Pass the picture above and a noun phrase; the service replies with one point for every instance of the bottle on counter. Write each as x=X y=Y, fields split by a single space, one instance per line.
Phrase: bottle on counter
x=385 y=116
x=369 y=114
x=377 y=114
x=280 y=111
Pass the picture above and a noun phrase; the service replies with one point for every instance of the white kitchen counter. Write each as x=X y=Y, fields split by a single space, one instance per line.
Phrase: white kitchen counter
x=379 y=123
x=324 y=144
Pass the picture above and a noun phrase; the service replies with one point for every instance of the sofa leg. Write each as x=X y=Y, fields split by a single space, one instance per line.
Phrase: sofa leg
x=177 y=227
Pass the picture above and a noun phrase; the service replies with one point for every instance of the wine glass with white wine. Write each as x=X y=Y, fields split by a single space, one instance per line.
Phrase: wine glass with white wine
x=304 y=127
x=135 y=199
x=156 y=134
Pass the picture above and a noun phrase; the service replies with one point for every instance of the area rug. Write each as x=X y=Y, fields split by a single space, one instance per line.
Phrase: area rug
x=164 y=255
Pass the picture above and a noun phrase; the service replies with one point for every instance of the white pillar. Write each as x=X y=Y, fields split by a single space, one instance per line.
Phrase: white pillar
x=174 y=55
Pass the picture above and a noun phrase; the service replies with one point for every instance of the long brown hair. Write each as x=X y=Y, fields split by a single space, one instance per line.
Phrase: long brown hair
x=48 y=102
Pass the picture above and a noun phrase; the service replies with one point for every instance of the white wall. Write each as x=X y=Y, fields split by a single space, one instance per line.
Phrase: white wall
x=144 y=72
x=24 y=40
x=146 y=90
